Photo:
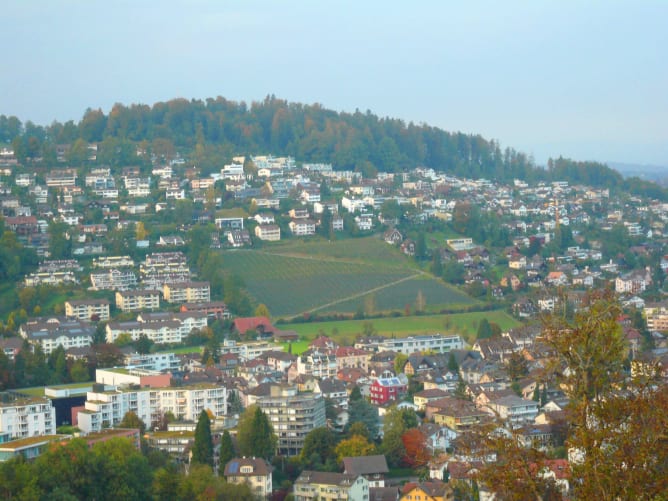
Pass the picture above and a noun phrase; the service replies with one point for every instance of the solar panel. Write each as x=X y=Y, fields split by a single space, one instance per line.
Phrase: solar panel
x=234 y=467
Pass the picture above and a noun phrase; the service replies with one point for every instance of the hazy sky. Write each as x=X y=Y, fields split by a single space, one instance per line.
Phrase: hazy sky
x=588 y=80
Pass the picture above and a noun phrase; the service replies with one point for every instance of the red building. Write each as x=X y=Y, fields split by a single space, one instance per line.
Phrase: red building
x=384 y=390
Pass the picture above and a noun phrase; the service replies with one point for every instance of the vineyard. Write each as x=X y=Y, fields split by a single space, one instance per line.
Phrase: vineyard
x=292 y=285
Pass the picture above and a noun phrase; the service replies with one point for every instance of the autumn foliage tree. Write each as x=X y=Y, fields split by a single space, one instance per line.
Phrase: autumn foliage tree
x=415 y=444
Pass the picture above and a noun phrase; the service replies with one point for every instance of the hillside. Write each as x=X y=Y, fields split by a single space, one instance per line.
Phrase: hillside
x=210 y=132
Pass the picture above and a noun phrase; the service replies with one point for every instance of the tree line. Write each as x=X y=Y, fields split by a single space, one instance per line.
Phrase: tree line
x=207 y=131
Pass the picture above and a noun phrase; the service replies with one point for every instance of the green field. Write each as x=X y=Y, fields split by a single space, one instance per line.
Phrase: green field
x=298 y=277
x=465 y=324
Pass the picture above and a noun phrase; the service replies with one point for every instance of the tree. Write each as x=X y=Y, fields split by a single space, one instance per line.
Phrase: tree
x=484 y=329
x=143 y=344
x=517 y=366
x=131 y=420
x=318 y=447
x=617 y=434
x=226 y=449
x=255 y=435
x=415 y=445
x=202 y=451
x=421 y=246
x=354 y=446
x=452 y=363
x=397 y=422
x=359 y=410
x=399 y=363
x=262 y=311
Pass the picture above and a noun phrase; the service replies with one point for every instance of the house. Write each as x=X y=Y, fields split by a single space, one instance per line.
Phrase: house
x=634 y=282
x=427 y=491
x=373 y=468
x=317 y=485
x=255 y=472
x=425 y=396
x=516 y=410
x=456 y=414
x=138 y=300
x=260 y=325
x=385 y=390
x=334 y=390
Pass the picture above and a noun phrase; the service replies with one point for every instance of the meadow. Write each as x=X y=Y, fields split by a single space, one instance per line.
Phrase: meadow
x=345 y=331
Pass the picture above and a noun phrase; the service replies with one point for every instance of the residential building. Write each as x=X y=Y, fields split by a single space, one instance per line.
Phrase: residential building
x=293 y=416
x=516 y=410
x=187 y=292
x=385 y=390
x=657 y=316
x=104 y=408
x=268 y=232
x=57 y=331
x=427 y=342
x=28 y=448
x=153 y=361
x=373 y=468
x=302 y=227
x=326 y=486
x=317 y=363
x=255 y=472
x=114 y=279
x=427 y=491
x=25 y=417
x=456 y=414
x=161 y=328
x=138 y=300
x=87 y=309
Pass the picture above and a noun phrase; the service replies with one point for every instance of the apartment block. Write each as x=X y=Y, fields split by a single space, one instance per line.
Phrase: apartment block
x=138 y=300
x=26 y=417
x=87 y=309
x=293 y=415
x=107 y=408
x=187 y=292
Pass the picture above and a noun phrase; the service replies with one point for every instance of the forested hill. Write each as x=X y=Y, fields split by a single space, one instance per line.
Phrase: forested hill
x=208 y=132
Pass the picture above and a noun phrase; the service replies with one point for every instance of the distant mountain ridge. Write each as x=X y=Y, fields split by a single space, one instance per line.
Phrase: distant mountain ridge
x=209 y=131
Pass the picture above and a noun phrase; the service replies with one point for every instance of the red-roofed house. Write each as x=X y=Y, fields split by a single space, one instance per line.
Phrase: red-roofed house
x=261 y=325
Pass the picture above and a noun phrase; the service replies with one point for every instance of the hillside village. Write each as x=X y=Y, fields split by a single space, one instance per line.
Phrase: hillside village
x=133 y=251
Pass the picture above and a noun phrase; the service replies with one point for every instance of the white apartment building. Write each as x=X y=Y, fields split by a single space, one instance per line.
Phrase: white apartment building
x=153 y=361
x=249 y=350
x=187 y=292
x=27 y=417
x=113 y=279
x=302 y=227
x=107 y=408
x=268 y=232
x=57 y=331
x=138 y=300
x=293 y=415
x=317 y=364
x=109 y=262
x=431 y=342
x=86 y=309
x=161 y=328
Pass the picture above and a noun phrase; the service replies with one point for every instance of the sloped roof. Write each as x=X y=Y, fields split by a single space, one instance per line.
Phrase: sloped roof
x=365 y=465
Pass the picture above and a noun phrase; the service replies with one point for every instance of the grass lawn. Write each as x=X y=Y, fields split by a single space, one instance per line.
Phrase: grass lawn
x=465 y=324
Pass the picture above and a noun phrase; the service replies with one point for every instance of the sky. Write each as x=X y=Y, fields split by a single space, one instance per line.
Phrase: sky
x=585 y=80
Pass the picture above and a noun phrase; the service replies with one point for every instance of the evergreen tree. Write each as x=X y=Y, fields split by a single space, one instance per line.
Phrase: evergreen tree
x=202 y=451
x=255 y=434
x=226 y=449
